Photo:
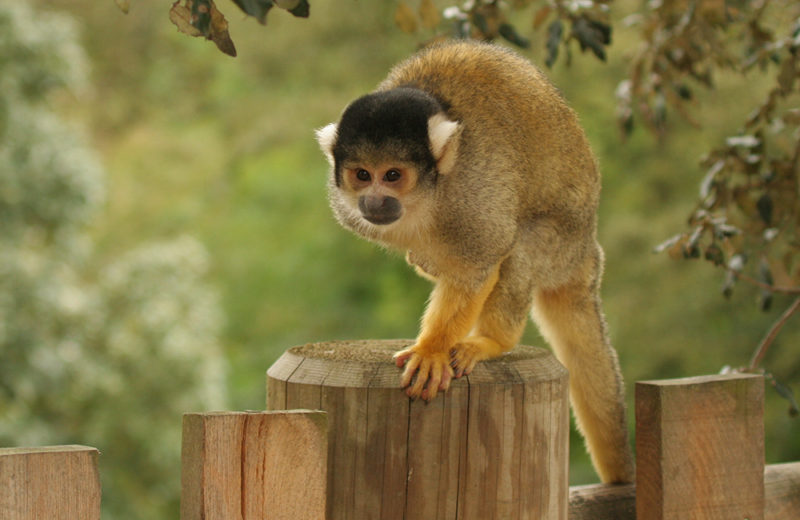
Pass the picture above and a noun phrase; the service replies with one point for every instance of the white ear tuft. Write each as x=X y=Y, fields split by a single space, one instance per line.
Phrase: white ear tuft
x=442 y=135
x=326 y=137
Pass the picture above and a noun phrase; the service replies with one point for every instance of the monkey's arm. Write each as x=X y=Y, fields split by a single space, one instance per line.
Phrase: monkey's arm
x=449 y=317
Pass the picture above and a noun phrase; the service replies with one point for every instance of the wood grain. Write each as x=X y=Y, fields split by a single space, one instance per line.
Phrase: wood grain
x=55 y=482
x=254 y=465
x=700 y=447
x=495 y=446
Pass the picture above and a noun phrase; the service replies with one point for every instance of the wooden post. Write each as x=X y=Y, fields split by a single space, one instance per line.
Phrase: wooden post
x=700 y=448
x=782 y=491
x=253 y=466
x=494 y=446
x=54 y=482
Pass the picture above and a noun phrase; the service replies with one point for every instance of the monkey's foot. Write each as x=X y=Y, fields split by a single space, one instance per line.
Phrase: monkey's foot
x=467 y=352
x=431 y=368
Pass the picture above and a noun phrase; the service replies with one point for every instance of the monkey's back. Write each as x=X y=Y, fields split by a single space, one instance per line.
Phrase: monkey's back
x=514 y=124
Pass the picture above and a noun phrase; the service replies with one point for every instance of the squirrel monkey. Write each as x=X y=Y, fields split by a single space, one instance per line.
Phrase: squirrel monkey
x=467 y=158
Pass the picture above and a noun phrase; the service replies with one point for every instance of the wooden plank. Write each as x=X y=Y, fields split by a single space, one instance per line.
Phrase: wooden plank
x=254 y=465
x=782 y=491
x=54 y=482
x=602 y=502
x=700 y=447
x=610 y=502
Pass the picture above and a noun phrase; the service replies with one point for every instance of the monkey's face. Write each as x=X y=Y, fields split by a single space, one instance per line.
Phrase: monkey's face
x=378 y=191
x=386 y=154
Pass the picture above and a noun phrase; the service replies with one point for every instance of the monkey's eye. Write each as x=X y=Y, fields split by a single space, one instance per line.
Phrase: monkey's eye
x=392 y=176
x=363 y=175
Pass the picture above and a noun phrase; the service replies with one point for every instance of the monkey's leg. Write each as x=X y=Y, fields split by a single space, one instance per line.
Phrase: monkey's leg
x=571 y=320
x=451 y=313
x=502 y=320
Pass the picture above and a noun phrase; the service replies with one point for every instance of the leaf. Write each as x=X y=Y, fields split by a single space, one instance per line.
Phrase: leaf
x=541 y=15
x=765 y=277
x=727 y=286
x=301 y=10
x=258 y=9
x=765 y=206
x=710 y=178
x=714 y=254
x=480 y=21
x=201 y=18
x=429 y=14
x=786 y=392
x=743 y=141
x=736 y=263
x=405 y=18
x=554 y=33
x=593 y=35
x=787 y=75
x=181 y=16
x=508 y=32
x=124 y=5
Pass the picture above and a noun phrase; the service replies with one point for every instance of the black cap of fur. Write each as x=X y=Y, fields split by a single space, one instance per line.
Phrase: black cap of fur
x=393 y=123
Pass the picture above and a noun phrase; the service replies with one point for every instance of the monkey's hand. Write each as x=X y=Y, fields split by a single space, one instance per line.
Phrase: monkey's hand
x=431 y=367
x=472 y=349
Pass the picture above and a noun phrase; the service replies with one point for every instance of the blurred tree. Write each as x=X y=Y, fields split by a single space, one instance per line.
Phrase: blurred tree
x=106 y=354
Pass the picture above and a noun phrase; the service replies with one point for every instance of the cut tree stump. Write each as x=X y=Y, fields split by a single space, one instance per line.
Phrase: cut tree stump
x=494 y=446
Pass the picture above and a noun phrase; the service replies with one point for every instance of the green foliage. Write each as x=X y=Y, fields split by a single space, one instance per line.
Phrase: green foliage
x=107 y=353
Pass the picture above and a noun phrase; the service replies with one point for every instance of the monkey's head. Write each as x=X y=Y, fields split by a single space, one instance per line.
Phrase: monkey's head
x=386 y=153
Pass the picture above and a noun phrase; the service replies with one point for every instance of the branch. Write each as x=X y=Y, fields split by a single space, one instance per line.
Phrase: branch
x=782 y=289
x=761 y=351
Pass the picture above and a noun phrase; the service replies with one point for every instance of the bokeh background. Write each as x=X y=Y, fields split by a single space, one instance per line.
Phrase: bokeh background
x=165 y=235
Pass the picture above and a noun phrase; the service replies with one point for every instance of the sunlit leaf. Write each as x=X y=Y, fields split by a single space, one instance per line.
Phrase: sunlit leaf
x=744 y=141
x=201 y=18
x=737 y=263
x=181 y=16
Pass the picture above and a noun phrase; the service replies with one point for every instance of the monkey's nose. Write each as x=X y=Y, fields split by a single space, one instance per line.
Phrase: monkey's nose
x=379 y=210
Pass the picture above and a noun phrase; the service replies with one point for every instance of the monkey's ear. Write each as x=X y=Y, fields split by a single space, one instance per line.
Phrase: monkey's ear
x=443 y=135
x=326 y=137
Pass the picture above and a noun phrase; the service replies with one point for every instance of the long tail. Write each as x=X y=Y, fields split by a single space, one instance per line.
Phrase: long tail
x=571 y=320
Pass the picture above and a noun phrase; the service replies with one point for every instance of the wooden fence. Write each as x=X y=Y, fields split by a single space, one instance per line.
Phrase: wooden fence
x=699 y=444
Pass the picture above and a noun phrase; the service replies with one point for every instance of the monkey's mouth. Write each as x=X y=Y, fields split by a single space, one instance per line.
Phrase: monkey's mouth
x=381 y=219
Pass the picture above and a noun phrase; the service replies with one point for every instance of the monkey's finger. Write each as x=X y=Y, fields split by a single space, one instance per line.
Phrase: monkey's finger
x=447 y=376
x=402 y=356
x=415 y=390
x=470 y=366
x=411 y=368
x=435 y=379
